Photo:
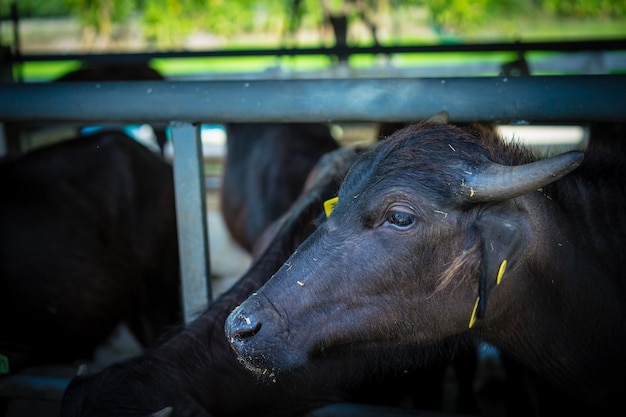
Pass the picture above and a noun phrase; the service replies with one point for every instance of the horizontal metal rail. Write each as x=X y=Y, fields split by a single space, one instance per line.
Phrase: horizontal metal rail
x=565 y=46
x=534 y=99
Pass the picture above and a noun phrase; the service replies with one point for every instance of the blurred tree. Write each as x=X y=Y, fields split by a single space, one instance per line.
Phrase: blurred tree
x=454 y=16
x=586 y=8
x=459 y=15
x=168 y=22
x=97 y=17
x=36 y=8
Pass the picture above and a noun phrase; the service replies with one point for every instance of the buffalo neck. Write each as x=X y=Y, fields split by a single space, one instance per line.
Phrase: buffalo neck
x=562 y=310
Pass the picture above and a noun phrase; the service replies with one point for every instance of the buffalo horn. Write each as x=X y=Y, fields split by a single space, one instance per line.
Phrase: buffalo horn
x=495 y=182
x=82 y=371
x=165 y=412
x=442 y=117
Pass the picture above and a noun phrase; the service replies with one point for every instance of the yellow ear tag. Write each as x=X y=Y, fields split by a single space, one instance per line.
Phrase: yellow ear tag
x=329 y=205
x=473 y=318
x=501 y=272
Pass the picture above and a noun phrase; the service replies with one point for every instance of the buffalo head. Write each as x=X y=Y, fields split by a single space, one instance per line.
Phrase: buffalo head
x=424 y=228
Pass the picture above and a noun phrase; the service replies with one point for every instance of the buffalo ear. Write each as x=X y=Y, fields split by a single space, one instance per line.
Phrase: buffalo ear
x=503 y=240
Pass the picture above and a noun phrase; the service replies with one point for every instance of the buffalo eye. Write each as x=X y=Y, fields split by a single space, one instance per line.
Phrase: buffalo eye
x=400 y=219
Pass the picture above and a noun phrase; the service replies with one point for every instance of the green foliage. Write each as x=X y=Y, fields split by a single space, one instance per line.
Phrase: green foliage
x=586 y=8
x=246 y=16
x=97 y=13
x=167 y=22
x=163 y=22
x=460 y=15
x=36 y=8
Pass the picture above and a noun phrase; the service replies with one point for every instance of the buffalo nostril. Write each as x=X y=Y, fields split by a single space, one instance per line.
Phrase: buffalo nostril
x=247 y=332
x=242 y=326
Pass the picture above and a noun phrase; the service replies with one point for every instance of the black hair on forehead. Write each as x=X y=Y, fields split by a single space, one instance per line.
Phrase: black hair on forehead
x=424 y=152
x=433 y=155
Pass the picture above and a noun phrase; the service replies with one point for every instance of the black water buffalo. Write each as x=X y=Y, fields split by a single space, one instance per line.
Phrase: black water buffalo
x=88 y=239
x=135 y=71
x=446 y=232
x=195 y=372
x=265 y=169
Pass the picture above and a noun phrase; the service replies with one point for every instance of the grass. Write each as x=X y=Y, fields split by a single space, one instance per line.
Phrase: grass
x=47 y=71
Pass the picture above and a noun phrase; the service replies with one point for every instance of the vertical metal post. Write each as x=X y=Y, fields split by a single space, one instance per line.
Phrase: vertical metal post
x=17 y=44
x=191 y=213
x=10 y=141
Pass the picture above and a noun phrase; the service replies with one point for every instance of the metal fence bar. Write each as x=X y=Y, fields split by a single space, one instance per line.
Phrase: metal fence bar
x=536 y=98
x=562 y=46
x=191 y=216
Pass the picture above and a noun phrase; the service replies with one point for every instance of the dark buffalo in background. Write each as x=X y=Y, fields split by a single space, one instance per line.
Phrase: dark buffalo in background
x=447 y=233
x=133 y=71
x=265 y=170
x=88 y=240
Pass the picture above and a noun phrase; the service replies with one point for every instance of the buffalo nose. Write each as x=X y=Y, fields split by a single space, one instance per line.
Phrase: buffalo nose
x=241 y=326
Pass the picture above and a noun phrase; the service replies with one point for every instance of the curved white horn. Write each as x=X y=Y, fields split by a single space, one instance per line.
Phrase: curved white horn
x=494 y=182
x=166 y=412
